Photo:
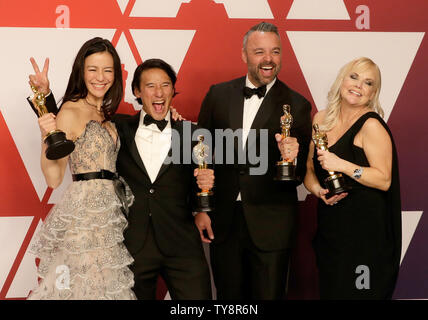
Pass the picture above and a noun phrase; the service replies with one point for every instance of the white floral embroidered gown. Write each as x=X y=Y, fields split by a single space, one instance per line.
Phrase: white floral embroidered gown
x=80 y=245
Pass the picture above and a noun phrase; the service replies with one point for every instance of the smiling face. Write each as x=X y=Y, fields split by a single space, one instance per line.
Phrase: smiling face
x=359 y=86
x=156 y=91
x=98 y=75
x=262 y=55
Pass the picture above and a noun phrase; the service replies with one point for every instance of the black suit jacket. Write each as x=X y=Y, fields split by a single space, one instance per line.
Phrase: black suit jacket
x=270 y=207
x=167 y=202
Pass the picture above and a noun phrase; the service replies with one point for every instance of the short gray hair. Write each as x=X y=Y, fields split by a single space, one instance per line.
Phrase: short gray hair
x=261 y=27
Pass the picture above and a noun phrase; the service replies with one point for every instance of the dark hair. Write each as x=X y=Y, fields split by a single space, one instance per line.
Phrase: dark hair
x=76 y=88
x=261 y=27
x=152 y=64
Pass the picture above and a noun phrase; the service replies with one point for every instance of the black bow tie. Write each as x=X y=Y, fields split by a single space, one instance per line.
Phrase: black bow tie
x=148 y=120
x=260 y=92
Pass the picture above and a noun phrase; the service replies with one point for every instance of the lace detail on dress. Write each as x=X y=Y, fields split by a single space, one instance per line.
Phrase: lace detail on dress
x=97 y=152
x=81 y=240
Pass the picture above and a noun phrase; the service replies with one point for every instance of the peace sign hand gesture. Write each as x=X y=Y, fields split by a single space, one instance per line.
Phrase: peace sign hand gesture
x=40 y=79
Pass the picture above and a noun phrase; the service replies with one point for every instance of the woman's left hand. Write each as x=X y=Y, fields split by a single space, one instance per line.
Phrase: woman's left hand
x=175 y=115
x=333 y=200
x=329 y=161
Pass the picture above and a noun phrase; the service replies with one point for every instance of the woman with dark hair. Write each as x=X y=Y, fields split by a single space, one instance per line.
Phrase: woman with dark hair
x=77 y=87
x=80 y=245
x=358 y=240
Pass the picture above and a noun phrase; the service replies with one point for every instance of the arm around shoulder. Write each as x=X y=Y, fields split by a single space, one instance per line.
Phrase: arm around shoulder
x=51 y=104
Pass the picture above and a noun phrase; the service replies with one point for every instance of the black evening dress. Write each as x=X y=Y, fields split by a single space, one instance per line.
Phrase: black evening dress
x=358 y=240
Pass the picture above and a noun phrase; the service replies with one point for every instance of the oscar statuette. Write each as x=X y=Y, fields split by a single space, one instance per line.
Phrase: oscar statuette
x=57 y=144
x=335 y=182
x=205 y=197
x=285 y=169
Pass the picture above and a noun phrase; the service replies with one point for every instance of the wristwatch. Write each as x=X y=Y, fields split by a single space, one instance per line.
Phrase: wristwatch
x=357 y=173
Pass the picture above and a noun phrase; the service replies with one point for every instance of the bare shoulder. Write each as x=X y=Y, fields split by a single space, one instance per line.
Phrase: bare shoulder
x=373 y=126
x=373 y=130
x=68 y=109
x=319 y=116
x=68 y=118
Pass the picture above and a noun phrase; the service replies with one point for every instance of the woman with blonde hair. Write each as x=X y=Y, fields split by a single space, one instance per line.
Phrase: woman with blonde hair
x=358 y=240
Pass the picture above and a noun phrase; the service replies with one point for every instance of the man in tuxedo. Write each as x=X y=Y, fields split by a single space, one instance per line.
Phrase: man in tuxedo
x=254 y=223
x=161 y=234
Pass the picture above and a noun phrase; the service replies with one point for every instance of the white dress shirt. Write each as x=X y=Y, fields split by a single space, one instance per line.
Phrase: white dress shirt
x=251 y=107
x=153 y=145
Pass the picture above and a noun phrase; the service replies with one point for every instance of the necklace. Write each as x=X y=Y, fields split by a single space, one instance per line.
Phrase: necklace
x=92 y=105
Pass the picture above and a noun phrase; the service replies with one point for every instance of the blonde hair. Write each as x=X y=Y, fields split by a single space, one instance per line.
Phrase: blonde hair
x=334 y=98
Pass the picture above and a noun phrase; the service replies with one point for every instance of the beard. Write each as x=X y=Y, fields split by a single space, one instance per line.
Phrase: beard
x=256 y=73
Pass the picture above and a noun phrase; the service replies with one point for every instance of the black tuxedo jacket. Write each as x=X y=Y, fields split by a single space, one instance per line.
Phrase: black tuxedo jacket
x=270 y=207
x=167 y=202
